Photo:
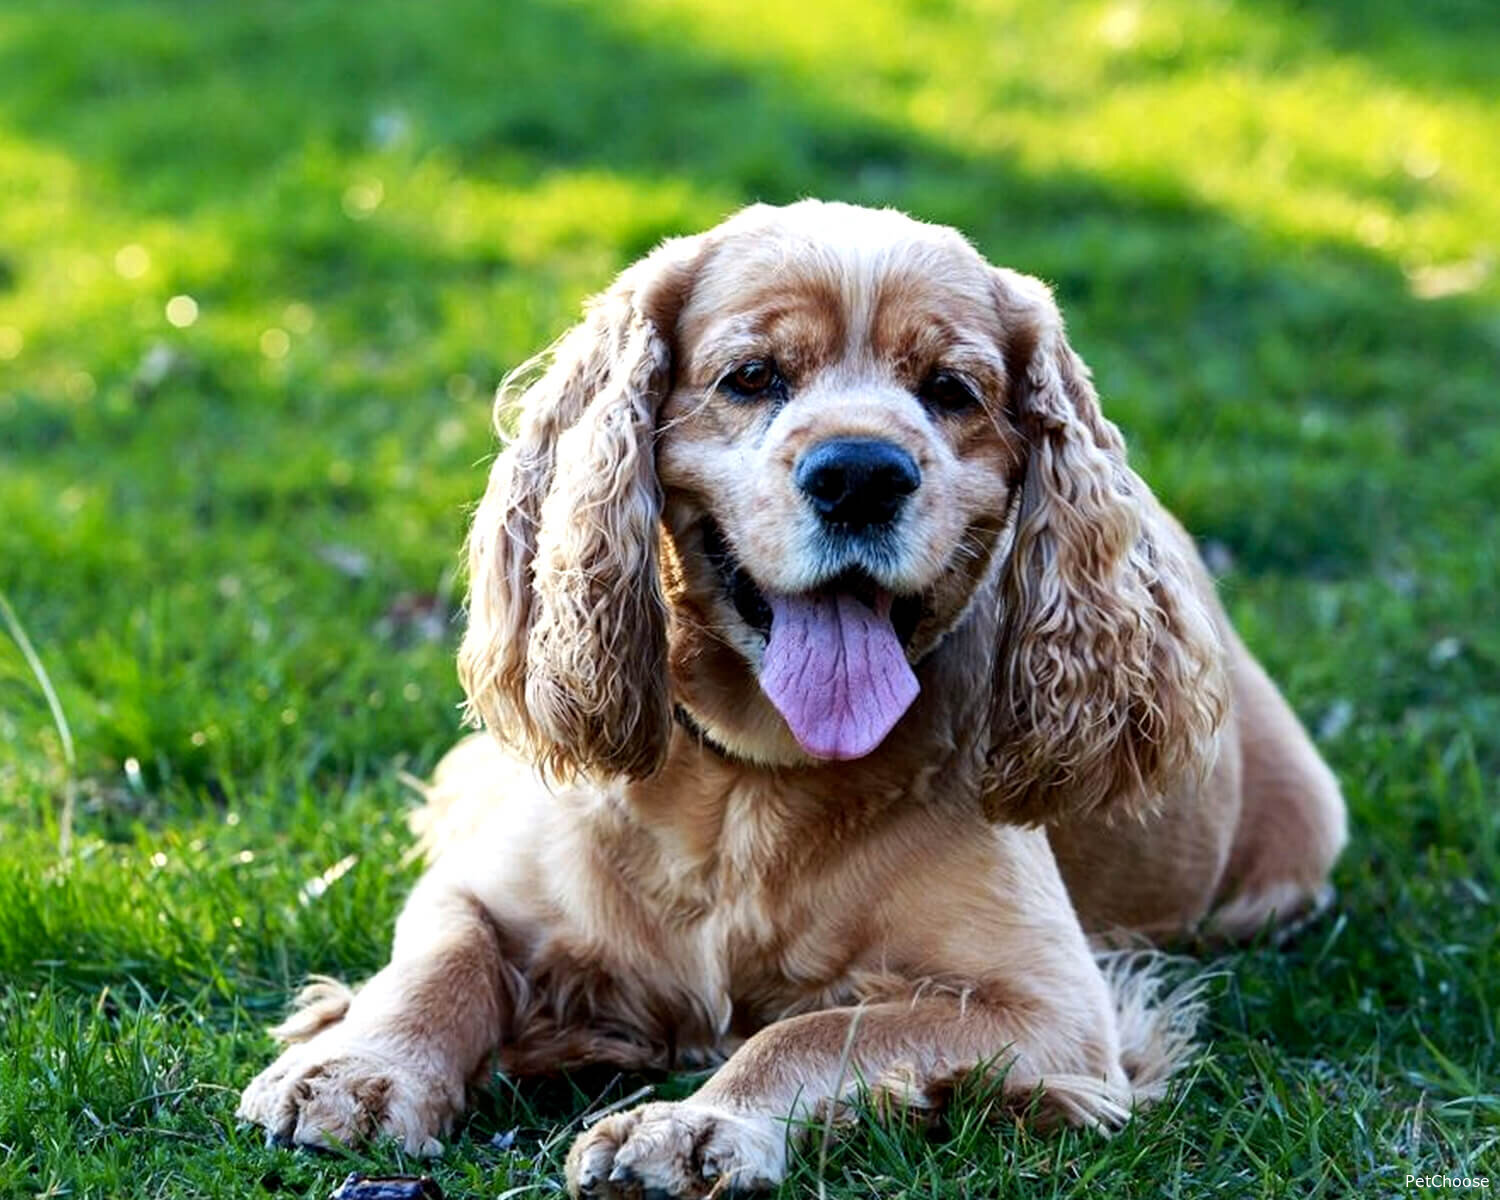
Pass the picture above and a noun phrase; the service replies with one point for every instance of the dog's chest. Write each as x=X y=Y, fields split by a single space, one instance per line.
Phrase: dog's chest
x=752 y=960
x=668 y=986
x=762 y=936
x=687 y=934
x=693 y=968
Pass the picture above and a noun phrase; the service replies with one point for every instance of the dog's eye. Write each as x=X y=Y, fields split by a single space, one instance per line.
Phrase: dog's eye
x=947 y=392
x=752 y=379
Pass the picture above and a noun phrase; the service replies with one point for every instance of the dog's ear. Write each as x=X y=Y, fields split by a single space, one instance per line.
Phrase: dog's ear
x=565 y=652
x=1109 y=679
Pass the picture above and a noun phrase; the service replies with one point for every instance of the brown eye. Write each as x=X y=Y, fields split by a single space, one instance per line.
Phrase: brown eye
x=947 y=392
x=752 y=379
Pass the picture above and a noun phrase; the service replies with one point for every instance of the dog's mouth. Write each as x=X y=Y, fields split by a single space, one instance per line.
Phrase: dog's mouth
x=749 y=601
x=738 y=585
x=835 y=663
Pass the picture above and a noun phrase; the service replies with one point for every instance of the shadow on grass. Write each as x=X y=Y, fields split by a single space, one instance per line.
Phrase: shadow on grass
x=218 y=101
x=1441 y=45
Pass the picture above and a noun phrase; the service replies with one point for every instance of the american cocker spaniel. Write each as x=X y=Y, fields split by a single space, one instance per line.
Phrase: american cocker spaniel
x=846 y=692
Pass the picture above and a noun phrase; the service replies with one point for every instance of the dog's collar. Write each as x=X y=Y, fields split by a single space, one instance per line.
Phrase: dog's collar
x=701 y=735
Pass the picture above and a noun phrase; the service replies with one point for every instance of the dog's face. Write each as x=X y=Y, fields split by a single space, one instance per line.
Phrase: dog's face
x=836 y=457
x=809 y=438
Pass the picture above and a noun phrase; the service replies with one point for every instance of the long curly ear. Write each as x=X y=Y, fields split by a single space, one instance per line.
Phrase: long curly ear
x=1109 y=679
x=565 y=652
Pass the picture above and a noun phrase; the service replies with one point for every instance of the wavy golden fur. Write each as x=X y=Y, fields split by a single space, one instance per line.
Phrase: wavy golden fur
x=819 y=484
x=567 y=620
x=1110 y=679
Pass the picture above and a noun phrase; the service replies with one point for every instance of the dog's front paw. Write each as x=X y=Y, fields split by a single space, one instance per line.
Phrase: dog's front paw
x=686 y=1149
x=339 y=1088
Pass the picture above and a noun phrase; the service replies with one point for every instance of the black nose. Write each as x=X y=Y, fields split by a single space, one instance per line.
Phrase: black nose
x=857 y=483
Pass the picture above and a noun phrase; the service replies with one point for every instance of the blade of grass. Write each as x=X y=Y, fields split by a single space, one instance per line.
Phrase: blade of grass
x=59 y=720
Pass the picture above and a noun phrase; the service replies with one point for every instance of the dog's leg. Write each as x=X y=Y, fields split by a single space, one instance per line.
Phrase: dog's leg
x=1292 y=822
x=394 y=1057
x=733 y=1133
x=1250 y=849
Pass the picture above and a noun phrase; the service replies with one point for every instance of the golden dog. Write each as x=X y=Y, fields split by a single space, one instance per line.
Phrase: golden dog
x=843 y=681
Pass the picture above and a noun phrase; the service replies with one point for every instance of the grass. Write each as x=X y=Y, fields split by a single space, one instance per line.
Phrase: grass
x=232 y=539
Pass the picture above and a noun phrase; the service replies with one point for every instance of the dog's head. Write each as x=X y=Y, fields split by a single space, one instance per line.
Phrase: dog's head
x=816 y=435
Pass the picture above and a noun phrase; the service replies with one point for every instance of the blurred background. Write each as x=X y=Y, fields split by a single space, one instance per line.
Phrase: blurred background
x=261 y=267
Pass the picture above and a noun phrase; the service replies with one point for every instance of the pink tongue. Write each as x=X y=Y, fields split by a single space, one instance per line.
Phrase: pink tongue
x=835 y=670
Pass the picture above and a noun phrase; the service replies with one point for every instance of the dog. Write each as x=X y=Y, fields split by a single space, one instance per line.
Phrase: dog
x=846 y=693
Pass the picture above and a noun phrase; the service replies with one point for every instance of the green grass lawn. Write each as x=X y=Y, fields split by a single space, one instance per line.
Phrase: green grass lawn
x=260 y=268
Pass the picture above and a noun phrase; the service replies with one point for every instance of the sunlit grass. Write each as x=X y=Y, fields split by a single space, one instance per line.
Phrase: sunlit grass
x=260 y=270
